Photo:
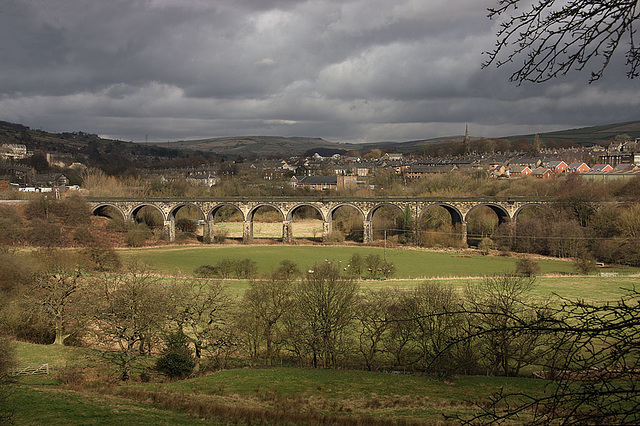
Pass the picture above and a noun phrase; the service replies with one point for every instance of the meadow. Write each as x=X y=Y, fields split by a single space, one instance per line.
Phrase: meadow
x=410 y=262
x=412 y=267
x=83 y=386
x=247 y=395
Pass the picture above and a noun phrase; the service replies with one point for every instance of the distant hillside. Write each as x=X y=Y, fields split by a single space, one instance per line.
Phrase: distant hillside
x=589 y=135
x=262 y=146
x=117 y=156
x=90 y=149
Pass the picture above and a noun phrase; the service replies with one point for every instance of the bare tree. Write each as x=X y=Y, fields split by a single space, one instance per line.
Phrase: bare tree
x=125 y=309
x=265 y=303
x=432 y=309
x=54 y=291
x=373 y=319
x=325 y=302
x=498 y=306
x=200 y=308
x=553 y=37
x=593 y=360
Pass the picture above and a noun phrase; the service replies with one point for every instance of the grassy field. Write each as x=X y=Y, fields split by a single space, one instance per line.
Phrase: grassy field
x=307 y=228
x=272 y=395
x=410 y=263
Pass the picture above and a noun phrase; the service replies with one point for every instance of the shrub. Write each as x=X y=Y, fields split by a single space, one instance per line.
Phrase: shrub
x=177 y=359
x=117 y=224
x=206 y=271
x=356 y=265
x=103 y=258
x=220 y=235
x=73 y=210
x=186 y=225
x=584 y=265
x=226 y=268
x=137 y=235
x=379 y=268
x=485 y=246
x=44 y=234
x=527 y=267
x=335 y=237
x=82 y=236
x=245 y=268
x=11 y=228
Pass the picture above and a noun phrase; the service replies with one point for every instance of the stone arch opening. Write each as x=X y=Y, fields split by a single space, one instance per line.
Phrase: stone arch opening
x=266 y=222
x=440 y=225
x=148 y=214
x=528 y=210
x=187 y=221
x=525 y=233
x=483 y=220
x=306 y=222
x=108 y=216
x=109 y=211
x=346 y=223
x=226 y=222
x=387 y=220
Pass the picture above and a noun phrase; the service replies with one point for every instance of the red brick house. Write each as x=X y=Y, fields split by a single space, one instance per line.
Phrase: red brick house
x=578 y=168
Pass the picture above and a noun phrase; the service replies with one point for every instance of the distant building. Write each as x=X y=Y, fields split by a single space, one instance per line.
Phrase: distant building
x=324 y=183
x=13 y=151
x=615 y=158
x=578 y=168
x=518 y=171
x=543 y=173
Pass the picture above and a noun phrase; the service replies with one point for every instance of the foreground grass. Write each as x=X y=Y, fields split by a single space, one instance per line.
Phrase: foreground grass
x=40 y=405
x=410 y=263
x=341 y=394
x=248 y=396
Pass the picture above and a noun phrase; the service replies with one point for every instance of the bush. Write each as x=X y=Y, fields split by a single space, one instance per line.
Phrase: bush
x=335 y=237
x=102 y=258
x=379 y=268
x=527 y=267
x=485 y=246
x=11 y=228
x=177 y=359
x=137 y=235
x=44 y=234
x=245 y=268
x=186 y=225
x=73 y=210
x=82 y=236
x=220 y=235
x=584 y=265
x=206 y=271
x=356 y=265
x=226 y=268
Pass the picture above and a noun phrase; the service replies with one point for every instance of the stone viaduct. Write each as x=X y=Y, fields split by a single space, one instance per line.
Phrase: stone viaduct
x=506 y=208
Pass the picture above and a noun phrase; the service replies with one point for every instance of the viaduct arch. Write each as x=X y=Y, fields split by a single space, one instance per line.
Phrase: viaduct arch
x=506 y=208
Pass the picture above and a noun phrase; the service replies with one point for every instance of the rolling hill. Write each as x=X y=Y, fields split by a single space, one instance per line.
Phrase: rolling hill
x=88 y=146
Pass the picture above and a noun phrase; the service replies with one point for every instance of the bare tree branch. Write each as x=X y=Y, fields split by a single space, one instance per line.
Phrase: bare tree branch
x=554 y=37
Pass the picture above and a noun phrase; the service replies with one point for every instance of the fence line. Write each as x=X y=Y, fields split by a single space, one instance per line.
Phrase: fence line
x=30 y=370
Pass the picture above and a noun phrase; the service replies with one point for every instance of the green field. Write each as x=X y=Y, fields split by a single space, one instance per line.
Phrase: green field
x=410 y=263
x=273 y=395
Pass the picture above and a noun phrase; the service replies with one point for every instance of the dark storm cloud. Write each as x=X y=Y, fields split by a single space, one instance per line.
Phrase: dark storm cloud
x=345 y=70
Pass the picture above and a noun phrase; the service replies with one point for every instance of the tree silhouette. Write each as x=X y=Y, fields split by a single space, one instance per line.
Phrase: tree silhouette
x=554 y=37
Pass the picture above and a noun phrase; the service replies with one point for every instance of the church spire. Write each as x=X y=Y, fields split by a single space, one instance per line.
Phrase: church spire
x=467 y=140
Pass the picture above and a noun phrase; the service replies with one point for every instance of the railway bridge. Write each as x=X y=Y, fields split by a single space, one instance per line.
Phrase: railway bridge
x=506 y=208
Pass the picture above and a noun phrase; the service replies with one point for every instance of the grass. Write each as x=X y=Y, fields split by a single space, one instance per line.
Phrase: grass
x=410 y=263
x=347 y=393
x=39 y=405
x=271 y=395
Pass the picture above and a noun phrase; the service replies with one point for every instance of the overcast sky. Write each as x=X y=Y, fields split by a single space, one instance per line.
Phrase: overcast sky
x=342 y=70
